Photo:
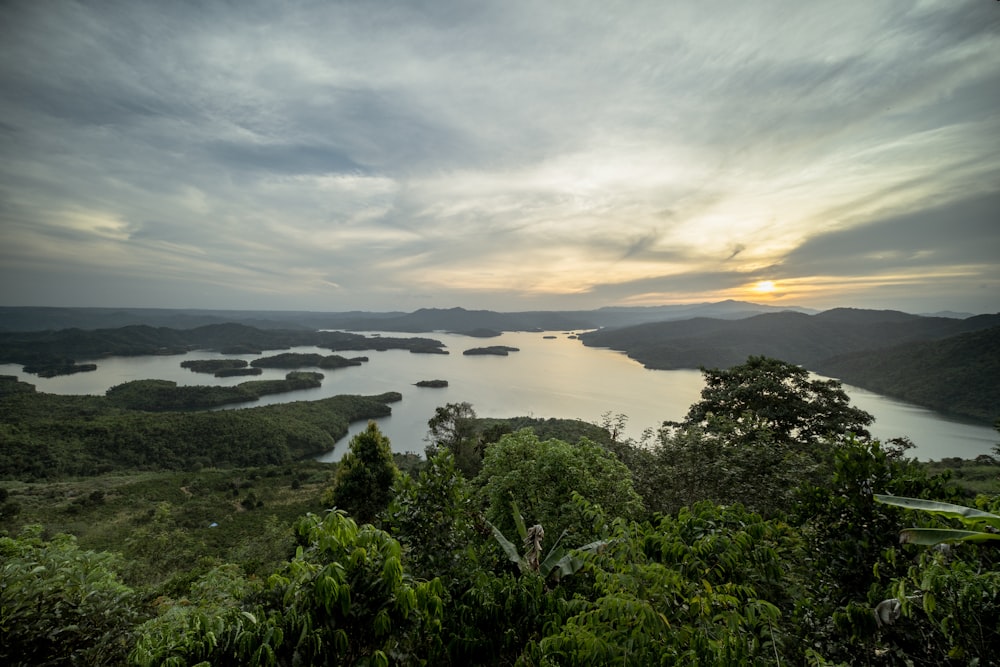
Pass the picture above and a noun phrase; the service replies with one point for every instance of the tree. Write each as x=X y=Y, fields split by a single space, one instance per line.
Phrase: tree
x=777 y=397
x=60 y=604
x=691 y=464
x=541 y=476
x=431 y=518
x=365 y=477
x=453 y=427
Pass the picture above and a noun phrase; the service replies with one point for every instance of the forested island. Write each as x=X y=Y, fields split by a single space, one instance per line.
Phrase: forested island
x=495 y=350
x=60 y=349
x=300 y=360
x=434 y=384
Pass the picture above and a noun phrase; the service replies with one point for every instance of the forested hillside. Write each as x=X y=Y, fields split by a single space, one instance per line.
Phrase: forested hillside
x=958 y=375
x=47 y=436
x=825 y=342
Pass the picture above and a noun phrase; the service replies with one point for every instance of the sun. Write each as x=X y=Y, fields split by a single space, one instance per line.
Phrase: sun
x=764 y=287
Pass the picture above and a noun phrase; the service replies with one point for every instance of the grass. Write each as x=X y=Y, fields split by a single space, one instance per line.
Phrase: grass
x=974 y=476
x=165 y=523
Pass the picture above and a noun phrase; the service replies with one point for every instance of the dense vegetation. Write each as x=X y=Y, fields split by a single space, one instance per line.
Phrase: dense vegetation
x=752 y=533
x=958 y=375
x=46 y=436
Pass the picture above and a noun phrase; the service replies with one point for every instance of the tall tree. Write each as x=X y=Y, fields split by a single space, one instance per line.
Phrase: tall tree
x=542 y=477
x=365 y=477
x=453 y=427
x=766 y=394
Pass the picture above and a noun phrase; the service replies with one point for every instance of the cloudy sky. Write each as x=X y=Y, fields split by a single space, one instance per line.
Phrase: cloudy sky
x=507 y=155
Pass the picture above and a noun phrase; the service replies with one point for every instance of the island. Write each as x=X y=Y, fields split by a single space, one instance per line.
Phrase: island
x=234 y=372
x=302 y=360
x=212 y=365
x=52 y=369
x=437 y=384
x=497 y=350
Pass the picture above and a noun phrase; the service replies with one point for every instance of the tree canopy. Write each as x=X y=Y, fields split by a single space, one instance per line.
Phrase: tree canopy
x=363 y=485
x=779 y=397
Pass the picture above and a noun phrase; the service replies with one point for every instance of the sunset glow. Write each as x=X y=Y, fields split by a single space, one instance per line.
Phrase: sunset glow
x=764 y=287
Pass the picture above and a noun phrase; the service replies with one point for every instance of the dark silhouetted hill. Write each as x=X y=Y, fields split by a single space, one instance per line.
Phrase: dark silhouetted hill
x=813 y=340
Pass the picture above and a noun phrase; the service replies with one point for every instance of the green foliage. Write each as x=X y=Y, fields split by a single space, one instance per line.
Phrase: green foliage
x=170 y=527
x=953 y=599
x=851 y=548
x=703 y=588
x=344 y=599
x=454 y=427
x=693 y=463
x=846 y=528
x=432 y=517
x=61 y=605
x=542 y=476
x=557 y=563
x=365 y=477
x=166 y=395
x=769 y=395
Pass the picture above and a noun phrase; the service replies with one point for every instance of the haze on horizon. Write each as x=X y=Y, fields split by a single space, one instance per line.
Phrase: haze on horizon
x=505 y=155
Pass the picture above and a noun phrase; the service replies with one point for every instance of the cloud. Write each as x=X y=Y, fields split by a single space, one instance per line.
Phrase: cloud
x=484 y=154
x=956 y=234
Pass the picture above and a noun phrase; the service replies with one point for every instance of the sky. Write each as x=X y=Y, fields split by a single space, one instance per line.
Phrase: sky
x=507 y=155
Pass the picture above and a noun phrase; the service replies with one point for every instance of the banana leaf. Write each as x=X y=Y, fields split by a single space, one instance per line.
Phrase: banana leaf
x=932 y=536
x=967 y=515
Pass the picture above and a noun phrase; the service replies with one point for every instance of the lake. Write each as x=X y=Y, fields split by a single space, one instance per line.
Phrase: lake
x=548 y=377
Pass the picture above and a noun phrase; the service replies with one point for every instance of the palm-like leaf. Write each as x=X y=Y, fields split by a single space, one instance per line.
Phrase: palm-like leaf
x=932 y=536
x=968 y=515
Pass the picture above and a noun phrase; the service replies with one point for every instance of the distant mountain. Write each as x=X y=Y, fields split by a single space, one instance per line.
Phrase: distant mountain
x=460 y=320
x=54 y=319
x=457 y=320
x=794 y=337
x=959 y=374
x=723 y=310
x=949 y=313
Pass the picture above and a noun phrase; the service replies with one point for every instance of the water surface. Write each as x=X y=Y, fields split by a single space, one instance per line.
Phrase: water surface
x=548 y=377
